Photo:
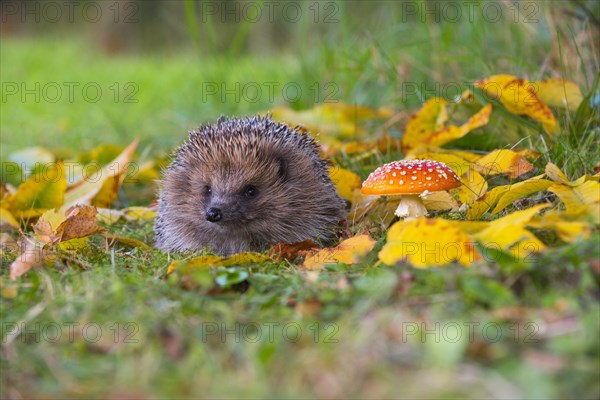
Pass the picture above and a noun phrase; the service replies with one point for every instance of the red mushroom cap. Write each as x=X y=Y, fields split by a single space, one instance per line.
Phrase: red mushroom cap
x=410 y=177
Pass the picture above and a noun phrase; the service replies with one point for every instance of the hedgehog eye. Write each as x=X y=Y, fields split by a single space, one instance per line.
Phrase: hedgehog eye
x=207 y=190
x=250 y=191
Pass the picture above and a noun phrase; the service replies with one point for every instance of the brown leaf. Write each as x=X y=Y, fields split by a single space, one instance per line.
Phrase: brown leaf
x=78 y=221
x=291 y=251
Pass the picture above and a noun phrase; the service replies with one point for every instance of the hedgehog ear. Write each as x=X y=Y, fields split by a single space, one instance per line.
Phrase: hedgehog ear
x=283 y=168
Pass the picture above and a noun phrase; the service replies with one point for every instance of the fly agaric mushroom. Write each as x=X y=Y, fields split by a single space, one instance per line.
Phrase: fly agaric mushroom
x=412 y=179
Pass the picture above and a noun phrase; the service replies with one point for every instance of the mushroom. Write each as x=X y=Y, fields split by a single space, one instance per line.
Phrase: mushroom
x=412 y=179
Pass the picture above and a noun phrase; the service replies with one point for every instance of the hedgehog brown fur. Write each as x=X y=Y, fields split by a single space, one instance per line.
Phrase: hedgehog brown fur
x=245 y=184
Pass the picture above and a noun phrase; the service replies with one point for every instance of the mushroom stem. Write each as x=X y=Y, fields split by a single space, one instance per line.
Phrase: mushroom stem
x=411 y=206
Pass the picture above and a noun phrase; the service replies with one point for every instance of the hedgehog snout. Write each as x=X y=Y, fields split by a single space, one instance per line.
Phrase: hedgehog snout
x=214 y=214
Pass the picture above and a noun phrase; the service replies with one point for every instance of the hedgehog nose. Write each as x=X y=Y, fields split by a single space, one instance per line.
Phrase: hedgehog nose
x=213 y=214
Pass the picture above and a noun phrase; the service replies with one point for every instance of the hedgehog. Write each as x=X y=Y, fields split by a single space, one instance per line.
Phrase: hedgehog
x=244 y=184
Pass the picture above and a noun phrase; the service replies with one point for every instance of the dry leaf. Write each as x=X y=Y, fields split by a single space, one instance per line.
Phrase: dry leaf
x=77 y=222
x=559 y=93
x=331 y=119
x=291 y=251
x=41 y=192
x=350 y=251
x=519 y=97
x=509 y=233
x=426 y=126
x=210 y=261
x=503 y=161
x=426 y=242
x=32 y=256
x=102 y=188
x=439 y=201
x=473 y=187
x=345 y=181
x=6 y=218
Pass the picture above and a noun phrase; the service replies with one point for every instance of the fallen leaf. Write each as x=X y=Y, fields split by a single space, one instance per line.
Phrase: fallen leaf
x=331 y=119
x=439 y=201
x=101 y=188
x=6 y=218
x=41 y=192
x=76 y=222
x=291 y=251
x=519 y=97
x=520 y=190
x=32 y=256
x=509 y=233
x=473 y=187
x=426 y=242
x=585 y=196
x=140 y=213
x=456 y=160
x=350 y=251
x=558 y=221
x=559 y=93
x=502 y=196
x=426 y=126
x=108 y=216
x=503 y=161
x=345 y=181
x=211 y=261
x=131 y=242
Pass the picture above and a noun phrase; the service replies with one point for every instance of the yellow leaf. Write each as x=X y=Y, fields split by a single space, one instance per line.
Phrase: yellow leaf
x=495 y=197
x=503 y=161
x=139 y=213
x=556 y=174
x=425 y=242
x=210 y=261
x=108 y=216
x=426 y=127
x=6 y=218
x=587 y=193
x=350 y=251
x=131 y=242
x=101 y=188
x=430 y=118
x=566 y=229
x=345 y=181
x=373 y=209
x=509 y=233
x=520 y=190
x=39 y=193
x=439 y=201
x=473 y=187
x=450 y=133
x=559 y=93
x=452 y=159
x=331 y=119
x=519 y=97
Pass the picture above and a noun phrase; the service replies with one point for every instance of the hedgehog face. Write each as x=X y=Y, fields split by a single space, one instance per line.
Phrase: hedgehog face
x=232 y=196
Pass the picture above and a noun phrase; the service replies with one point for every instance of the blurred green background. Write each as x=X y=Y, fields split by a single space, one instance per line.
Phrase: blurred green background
x=75 y=75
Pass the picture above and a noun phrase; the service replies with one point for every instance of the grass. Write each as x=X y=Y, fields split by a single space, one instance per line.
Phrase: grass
x=526 y=330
